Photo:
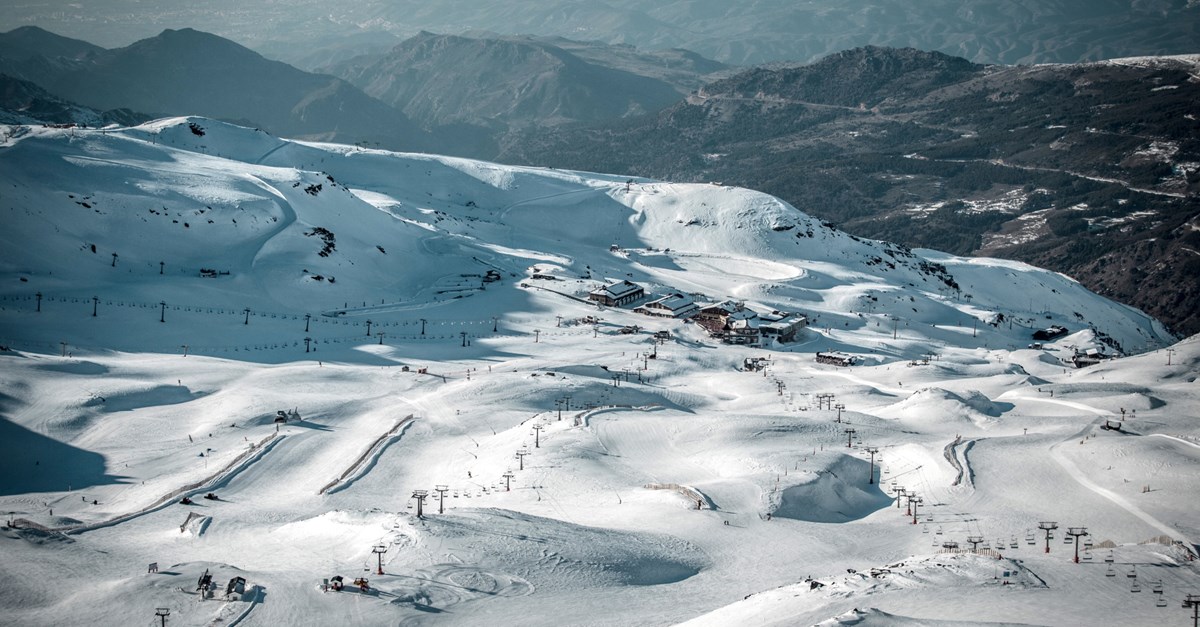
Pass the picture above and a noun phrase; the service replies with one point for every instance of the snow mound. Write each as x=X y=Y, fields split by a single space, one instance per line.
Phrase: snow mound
x=934 y=404
x=569 y=556
x=838 y=494
x=807 y=602
x=873 y=617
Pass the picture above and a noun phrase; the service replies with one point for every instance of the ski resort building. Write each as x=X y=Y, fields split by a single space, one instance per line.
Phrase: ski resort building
x=1050 y=333
x=781 y=325
x=835 y=358
x=617 y=294
x=731 y=322
x=1090 y=357
x=670 y=306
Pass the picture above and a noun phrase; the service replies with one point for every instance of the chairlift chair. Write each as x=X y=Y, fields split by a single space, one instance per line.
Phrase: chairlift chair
x=1110 y=572
x=1161 y=602
x=1135 y=587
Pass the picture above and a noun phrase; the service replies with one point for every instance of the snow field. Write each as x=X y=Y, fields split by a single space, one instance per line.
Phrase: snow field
x=124 y=417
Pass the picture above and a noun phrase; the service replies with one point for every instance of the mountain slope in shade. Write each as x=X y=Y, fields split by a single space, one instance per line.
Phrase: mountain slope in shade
x=22 y=102
x=191 y=72
x=441 y=79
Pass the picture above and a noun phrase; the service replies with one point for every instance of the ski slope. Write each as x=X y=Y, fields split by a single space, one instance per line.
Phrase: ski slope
x=590 y=477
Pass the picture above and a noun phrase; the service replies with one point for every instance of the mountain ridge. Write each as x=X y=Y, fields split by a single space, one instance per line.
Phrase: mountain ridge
x=949 y=155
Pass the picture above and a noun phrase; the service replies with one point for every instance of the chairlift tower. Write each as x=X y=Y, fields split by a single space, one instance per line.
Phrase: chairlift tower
x=379 y=550
x=508 y=475
x=162 y=613
x=1048 y=527
x=900 y=490
x=1193 y=601
x=873 y=451
x=521 y=458
x=916 y=502
x=1076 y=532
x=839 y=407
x=441 y=490
x=974 y=541
x=537 y=436
x=420 y=496
x=849 y=438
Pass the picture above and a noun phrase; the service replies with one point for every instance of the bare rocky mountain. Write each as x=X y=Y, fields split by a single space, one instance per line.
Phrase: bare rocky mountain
x=191 y=72
x=496 y=84
x=1089 y=169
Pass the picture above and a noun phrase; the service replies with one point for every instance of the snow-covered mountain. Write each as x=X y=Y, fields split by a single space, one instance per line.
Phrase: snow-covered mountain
x=292 y=228
x=422 y=324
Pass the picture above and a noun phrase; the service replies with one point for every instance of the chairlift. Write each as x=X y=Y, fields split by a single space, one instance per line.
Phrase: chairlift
x=1110 y=572
x=1132 y=574
x=1161 y=602
x=1157 y=587
x=1068 y=540
x=1135 y=587
x=939 y=530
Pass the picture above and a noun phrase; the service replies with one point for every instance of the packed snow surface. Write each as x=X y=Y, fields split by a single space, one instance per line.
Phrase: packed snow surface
x=328 y=339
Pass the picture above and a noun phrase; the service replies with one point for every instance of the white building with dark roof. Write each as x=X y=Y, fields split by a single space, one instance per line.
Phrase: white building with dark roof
x=617 y=294
x=670 y=306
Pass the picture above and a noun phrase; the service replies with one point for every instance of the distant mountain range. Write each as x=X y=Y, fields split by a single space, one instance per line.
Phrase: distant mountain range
x=309 y=33
x=1088 y=169
x=190 y=71
x=500 y=83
